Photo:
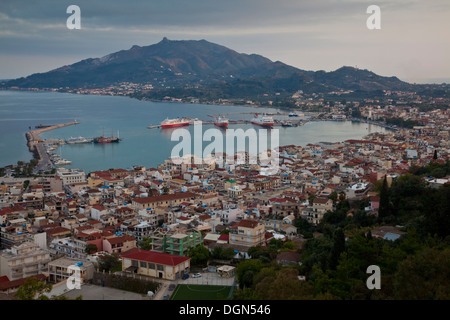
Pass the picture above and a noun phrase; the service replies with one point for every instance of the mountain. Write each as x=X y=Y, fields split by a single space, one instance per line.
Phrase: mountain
x=176 y=63
x=190 y=68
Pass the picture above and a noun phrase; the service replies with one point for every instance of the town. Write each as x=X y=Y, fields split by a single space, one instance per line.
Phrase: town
x=155 y=222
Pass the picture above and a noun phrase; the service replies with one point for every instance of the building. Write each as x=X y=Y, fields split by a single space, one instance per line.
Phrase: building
x=156 y=264
x=165 y=200
x=247 y=233
x=24 y=260
x=10 y=287
x=175 y=243
x=71 y=176
x=58 y=270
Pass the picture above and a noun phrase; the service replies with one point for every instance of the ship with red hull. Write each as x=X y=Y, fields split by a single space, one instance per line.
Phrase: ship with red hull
x=264 y=121
x=221 y=122
x=169 y=123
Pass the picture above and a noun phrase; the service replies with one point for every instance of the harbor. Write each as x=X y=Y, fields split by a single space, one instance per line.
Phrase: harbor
x=38 y=146
x=220 y=120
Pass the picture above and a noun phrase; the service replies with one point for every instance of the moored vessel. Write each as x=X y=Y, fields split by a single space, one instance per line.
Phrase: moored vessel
x=76 y=140
x=264 y=120
x=168 y=123
x=221 y=122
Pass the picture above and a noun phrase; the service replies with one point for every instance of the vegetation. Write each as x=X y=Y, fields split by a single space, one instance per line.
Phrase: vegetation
x=415 y=266
x=110 y=262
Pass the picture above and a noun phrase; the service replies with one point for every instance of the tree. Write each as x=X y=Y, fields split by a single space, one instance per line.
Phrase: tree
x=384 y=208
x=31 y=289
x=109 y=262
x=91 y=248
x=246 y=270
x=424 y=276
x=199 y=256
x=285 y=286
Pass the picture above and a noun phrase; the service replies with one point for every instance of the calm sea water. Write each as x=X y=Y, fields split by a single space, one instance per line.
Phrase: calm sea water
x=129 y=118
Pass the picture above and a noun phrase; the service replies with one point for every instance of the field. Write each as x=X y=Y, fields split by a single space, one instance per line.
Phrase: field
x=200 y=292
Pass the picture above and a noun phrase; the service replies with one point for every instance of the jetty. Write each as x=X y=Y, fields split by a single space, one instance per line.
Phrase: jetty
x=36 y=145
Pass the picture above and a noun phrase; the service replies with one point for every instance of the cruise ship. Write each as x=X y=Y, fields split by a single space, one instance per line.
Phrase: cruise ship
x=168 y=123
x=265 y=121
x=221 y=122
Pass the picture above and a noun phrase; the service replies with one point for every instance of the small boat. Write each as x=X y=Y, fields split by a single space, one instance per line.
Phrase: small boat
x=72 y=140
x=287 y=124
x=62 y=162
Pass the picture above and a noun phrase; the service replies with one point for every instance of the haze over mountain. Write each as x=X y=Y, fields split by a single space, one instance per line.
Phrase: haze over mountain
x=188 y=64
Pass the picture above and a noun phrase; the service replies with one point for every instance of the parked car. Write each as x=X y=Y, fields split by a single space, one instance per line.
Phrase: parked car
x=166 y=297
x=197 y=275
x=185 y=276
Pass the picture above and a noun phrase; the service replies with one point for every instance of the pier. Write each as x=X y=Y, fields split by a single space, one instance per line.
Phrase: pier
x=36 y=145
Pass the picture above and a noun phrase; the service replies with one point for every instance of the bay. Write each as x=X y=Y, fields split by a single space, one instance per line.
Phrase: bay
x=129 y=118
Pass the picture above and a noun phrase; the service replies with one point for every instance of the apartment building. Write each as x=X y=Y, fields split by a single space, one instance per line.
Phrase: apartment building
x=58 y=270
x=24 y=260
x=247 y=233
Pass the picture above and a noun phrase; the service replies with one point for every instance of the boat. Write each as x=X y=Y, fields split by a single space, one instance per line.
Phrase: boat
x=72 y=140
x=62 y=162
x=286 y=124
x=104 y=139
x=40 y=126
x=168 y=123
x=221 y=122
x=265 y=121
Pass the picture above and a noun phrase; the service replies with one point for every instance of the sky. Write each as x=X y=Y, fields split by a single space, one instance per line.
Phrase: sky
x=412 y=44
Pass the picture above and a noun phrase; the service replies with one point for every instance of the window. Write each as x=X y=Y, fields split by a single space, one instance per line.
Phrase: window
x=160 y=267
x=134 y=263
x=143 y=264
x=151 y=266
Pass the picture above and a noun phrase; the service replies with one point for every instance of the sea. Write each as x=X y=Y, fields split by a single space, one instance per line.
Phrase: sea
x=21 y=111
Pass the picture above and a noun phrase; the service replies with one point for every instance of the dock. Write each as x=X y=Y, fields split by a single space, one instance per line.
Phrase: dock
x=36 y=145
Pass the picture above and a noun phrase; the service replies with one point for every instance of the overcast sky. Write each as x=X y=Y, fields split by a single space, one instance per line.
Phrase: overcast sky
x=413 y=43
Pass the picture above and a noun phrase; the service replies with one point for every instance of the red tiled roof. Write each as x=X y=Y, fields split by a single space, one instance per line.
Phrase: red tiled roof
x=245 y=223
x=155 y=257
x=17 y=283
x=224 y=237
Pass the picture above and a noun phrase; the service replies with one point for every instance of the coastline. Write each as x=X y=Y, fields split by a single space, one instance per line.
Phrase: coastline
x=36 y=144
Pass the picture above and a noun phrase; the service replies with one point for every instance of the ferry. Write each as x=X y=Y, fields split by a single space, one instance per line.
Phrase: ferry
x=265 y=121
x=168 y=123
x=221 y=122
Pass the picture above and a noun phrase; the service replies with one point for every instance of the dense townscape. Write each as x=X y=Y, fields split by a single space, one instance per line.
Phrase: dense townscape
x=309 y=231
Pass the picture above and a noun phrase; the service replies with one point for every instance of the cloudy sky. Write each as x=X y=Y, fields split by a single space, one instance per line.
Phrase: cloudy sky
x=413 y=43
